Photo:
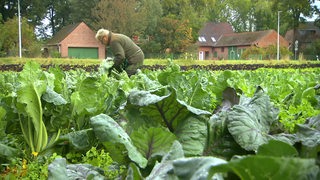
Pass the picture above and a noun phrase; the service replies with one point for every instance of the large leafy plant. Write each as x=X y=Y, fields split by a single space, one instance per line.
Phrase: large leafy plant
x=33 y=84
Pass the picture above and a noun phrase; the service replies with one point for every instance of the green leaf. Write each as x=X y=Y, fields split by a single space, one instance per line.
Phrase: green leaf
x=152 y=142
x=3 y=123
x=164 y=169
x=266 y=167
x=53 y=97
x=309 y=134
x=30 y=92
x=80 y=100
x=80 y=140
x=58 y=169
x=161 y=106
x=133 y=173
x=107 y=130
x=7 y=151
x=192 y=134
x=192 y=87
x=277 y=148
x=195 y=168
x=220 y=141
x=250 y=121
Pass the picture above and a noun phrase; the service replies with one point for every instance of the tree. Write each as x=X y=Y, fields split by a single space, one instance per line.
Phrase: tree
x=292 y=11
x=80 y=10
x=8 y=9
x=33 y=10
x=153 y=10
x=194 y=11
x=122 y=16
x=9 y=40
x=264 y=17
x=58 y=14
x=312 y=51
x=174 y=34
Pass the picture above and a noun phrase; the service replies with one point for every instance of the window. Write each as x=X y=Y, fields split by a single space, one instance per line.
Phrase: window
x=202 y=39
x=213 y=39
x=222 y=49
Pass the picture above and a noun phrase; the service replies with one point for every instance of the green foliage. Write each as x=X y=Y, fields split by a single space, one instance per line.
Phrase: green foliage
x=127 y=17
x=170 y=30
x=312 y=52
x=166 y=122
x=36 y=168
x=269 y=53
x=9 y=41
x=101 y=159
x=252 y=51
x=107 y=130
x=33 y=86
x=296 y=114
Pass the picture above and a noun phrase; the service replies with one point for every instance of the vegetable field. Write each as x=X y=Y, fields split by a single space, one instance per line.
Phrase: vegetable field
x=160 y=124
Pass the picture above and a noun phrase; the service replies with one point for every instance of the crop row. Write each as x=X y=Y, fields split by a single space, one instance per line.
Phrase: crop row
x=164 y=124
x=212 y=67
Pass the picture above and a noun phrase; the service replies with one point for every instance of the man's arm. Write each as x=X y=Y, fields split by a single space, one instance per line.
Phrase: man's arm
x=119 y=55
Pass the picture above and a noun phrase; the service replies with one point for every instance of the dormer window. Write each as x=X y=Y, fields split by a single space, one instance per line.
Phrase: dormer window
x=202 y=39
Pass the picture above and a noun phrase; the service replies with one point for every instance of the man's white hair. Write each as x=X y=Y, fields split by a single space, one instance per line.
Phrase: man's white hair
x=101 y=33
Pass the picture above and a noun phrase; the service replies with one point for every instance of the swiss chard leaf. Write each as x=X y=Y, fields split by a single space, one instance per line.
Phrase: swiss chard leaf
x=29 y=93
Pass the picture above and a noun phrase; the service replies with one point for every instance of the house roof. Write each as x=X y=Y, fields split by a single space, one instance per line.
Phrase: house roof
x=62 y=34
x=210 y=33
x=306 y=32
x=244 y=38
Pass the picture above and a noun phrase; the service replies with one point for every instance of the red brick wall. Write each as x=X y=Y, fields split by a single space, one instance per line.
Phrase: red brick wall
x=206 y=49
x=222 y=53
x=272 y=39
x=81 y=36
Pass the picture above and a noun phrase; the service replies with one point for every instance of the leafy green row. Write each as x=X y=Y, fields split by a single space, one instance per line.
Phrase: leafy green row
x=138 y=119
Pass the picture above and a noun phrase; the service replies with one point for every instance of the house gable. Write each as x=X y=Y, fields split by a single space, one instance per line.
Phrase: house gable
x=77 y=36
x=211 y=32
x=63 y=33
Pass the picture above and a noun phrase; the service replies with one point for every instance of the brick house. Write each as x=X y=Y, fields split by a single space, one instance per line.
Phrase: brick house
x=230 y=45
x=208 y=37
x=76 y=41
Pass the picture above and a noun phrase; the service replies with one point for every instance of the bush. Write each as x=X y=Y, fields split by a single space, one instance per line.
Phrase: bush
x=269 y=53
x=252 y=52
